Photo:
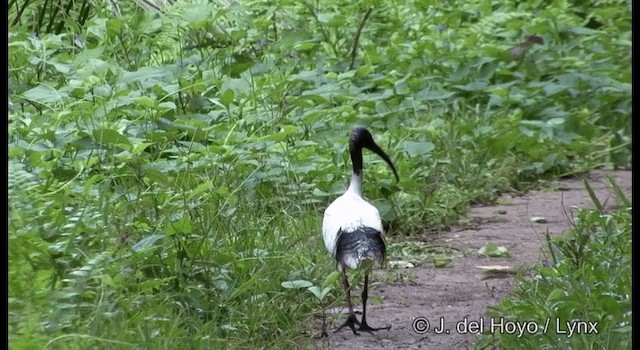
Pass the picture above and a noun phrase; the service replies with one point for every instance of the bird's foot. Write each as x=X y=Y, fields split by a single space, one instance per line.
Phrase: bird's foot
x=364 y=327
x=351 y=322
x=322 y=335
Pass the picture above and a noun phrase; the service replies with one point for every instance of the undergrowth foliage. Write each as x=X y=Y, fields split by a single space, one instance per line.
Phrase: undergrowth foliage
x=581 y=296
x=167 y=170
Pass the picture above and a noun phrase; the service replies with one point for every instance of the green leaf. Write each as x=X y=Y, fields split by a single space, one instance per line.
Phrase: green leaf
x=490 y=249
x=552 y=88
x=203 y=187
x=222 y=257
x=147 y=76
x=147 y=242
x=156 y=176
x=473 y=86
x=555 y=295
x=180 y=226
x=319 y=293
x=61 y=67
x=296 y=284
x=44 y=94
x=284 y=132
x=114 y=26
x=227 y=97
x=238 y=86
x=82 y=57
x=110 y=137
x=305 y=46
x=197 y=15
x=416 y=149
x=331 y=279
x=167 y=105
x=326 y=17
x=145 y=101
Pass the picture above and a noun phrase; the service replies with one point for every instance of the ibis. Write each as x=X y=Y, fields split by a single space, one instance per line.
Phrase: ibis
x=352 y=229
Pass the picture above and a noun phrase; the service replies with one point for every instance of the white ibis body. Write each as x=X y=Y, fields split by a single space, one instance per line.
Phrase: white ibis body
x=352 y=229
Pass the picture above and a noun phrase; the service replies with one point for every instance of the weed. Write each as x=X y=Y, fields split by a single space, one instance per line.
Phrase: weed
x=168 y=170
x=582 y=297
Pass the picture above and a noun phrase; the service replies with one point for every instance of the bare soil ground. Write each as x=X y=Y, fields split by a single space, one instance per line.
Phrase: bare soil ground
x=460 y=291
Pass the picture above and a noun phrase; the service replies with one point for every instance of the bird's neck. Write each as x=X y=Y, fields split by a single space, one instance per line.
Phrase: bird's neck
x=356 y=184
x=356 y=178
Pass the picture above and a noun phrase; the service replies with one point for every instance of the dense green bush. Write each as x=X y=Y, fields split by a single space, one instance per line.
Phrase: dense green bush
x=167 y=171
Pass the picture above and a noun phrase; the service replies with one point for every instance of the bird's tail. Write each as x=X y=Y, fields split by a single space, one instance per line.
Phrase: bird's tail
x=363 y=245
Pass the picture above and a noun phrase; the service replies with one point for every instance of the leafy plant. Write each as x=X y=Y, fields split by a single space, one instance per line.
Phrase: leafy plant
x=167 y=169
x=582 y=296
x=319 y=292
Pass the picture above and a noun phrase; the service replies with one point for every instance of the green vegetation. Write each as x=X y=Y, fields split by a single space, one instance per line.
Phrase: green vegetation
x=168 y=171
x=581 y=299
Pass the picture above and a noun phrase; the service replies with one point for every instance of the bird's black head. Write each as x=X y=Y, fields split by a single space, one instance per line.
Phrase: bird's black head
x=361 y=138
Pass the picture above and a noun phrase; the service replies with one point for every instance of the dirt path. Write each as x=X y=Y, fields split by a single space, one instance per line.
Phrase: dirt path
x=459 y=291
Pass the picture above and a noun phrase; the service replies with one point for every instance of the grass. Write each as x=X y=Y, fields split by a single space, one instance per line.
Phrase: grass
x=168 y=171
x=581 y=296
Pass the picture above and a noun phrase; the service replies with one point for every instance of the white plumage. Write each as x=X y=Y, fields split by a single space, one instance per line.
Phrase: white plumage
x=348 y=212
x=352 y=228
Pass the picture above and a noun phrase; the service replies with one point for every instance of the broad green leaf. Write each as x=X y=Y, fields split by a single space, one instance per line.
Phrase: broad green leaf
x=156 y=176
x=109 y=137
x=44 y=94
x=115 y=26
x=197 y=15
x=145 y=101
x=551 y=88
x=415 y=149
x=280 y=135
x=238 y=86
x=63 y=68
x=296 y=284
x=147 y=242
x=180 y=226
x=319 y=293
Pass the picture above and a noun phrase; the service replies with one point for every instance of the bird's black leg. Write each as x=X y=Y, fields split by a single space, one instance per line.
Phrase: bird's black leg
x=364 y=327
x=351 y=321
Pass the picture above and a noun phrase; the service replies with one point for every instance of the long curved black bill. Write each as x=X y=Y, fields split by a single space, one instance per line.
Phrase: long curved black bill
x=377 y=150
